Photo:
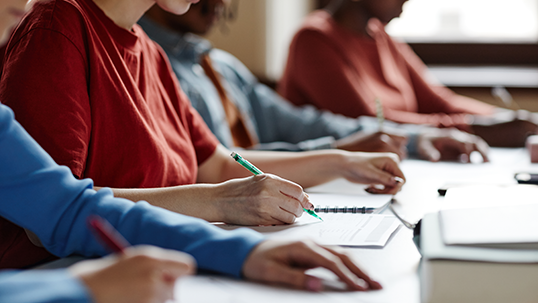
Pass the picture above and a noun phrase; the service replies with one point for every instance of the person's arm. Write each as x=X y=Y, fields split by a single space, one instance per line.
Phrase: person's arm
x=39 y=195
x=45 y=198
x=498 y=127
x=274 y=116
x=436 y=98
x=135 y=276
x=314 y=129
x=268 y=199
x=42 y=286
x=308 y=168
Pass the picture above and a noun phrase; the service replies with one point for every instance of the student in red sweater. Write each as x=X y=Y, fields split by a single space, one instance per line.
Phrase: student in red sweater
x=100 y=97
x=342 y=60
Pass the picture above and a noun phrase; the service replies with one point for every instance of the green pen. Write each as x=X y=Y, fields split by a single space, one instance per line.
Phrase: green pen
x=253 y=169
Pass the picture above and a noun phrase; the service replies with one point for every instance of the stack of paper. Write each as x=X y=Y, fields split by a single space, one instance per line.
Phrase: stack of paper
x=499 y=226
x=456 y=273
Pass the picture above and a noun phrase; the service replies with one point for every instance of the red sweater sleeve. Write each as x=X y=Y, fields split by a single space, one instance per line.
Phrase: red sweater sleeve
x=54 y=74
x=434 y=98
x=437 y=105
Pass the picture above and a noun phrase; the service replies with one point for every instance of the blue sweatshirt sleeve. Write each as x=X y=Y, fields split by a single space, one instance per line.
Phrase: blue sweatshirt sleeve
x=43 y=286
x=39 y=195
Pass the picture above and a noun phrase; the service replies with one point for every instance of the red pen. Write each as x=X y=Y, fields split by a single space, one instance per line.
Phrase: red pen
x=107 y=235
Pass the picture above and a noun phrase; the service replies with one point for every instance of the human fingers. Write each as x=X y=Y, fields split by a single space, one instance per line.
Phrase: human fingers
x=258 y=200
x=481 y=147
x=454 y=148
x=289 y=210
x=457 y=145
x=294 y=191
x=400 y=140
x=381 y=172
x=427 y=150
x=374 y=142
x=392 y=176
x=381 y=189
x=278 y=201
x=141 y=274
x=176 y=263
x=348 y=262
x=285 y=263
x=393 y=144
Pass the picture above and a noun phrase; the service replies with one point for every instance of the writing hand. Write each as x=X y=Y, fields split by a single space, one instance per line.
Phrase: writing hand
x=260 y=200
x=143 y=274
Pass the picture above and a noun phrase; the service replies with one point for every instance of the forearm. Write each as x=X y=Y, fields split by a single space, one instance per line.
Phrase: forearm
x=191 y=200
x=305 y=168
x=308 y=168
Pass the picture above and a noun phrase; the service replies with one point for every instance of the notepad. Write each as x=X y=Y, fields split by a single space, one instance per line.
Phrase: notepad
x=368 y=230
x=345 y=229
x=498 y=226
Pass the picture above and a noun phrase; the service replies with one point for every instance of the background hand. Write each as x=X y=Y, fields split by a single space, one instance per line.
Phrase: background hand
x=285 y=263
x=375 y=169
x=507 y=129
x=374 y=142
x=260 y=200
x=144 y=274
x=450 y=145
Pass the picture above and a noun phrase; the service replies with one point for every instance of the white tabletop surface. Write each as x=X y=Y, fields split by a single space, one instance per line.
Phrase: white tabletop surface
x=395 y=265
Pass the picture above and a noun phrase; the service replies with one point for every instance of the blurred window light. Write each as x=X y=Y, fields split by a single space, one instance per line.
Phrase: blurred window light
x=484 y=21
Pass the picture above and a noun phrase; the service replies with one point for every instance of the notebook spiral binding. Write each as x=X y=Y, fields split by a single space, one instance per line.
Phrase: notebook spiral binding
x=345 y=209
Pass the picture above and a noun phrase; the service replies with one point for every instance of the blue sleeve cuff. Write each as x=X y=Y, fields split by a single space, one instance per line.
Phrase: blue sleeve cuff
x=36 y=286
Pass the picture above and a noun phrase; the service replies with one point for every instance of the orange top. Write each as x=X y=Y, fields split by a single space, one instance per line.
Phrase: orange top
x=335 y=69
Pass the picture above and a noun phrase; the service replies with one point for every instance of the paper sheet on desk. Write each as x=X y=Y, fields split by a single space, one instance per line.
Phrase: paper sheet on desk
x=340 y=186
x=490 y=195
x=355 y=230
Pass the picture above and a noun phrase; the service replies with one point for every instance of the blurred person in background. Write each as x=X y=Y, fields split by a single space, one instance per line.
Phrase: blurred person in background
x=342 y=60
x=217 y=83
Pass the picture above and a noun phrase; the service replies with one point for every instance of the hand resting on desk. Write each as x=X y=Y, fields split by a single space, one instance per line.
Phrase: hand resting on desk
x=285 y=263
x=450 y=145
x=375 y=142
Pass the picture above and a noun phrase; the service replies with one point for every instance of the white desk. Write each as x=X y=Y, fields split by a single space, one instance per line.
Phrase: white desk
x=395 y=266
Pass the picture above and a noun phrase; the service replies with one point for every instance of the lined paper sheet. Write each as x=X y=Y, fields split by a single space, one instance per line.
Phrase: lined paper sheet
x=355 y=230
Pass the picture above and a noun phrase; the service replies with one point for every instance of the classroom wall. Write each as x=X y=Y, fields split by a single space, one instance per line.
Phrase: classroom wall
x=260 y=35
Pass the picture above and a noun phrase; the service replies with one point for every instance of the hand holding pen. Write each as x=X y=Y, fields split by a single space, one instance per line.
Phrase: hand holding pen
x=134 y=274
x=256 y=171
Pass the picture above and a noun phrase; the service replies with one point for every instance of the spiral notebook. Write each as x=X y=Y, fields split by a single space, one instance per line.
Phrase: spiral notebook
x=338 y=227
x=352 y=204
